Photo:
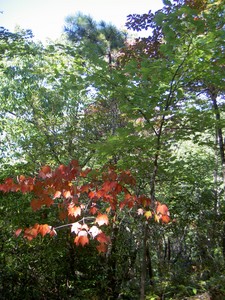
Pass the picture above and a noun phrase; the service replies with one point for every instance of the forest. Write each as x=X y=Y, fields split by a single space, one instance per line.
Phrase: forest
x=112 y=158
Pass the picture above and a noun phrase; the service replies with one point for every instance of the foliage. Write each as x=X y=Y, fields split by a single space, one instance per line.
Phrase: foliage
x=153 y=106
x=77 y=201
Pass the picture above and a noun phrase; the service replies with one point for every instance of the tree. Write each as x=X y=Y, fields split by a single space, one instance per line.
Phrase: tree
x=101 y=38
x=84 y=206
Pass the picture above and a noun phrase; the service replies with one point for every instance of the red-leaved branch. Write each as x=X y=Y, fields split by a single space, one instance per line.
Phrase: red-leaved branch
x=87 y=200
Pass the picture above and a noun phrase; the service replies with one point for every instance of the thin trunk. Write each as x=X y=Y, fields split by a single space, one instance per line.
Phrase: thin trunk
x=144 y=262
x=158 y=132
x=215 y=175
x=219 y=133
x=213 y=94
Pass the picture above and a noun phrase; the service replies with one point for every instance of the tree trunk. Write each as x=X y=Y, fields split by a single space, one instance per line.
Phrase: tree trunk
x=144 y=262
x=220 y=141
x=213 y=94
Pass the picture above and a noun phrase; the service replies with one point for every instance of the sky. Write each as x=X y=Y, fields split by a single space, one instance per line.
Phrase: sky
x=46 y=18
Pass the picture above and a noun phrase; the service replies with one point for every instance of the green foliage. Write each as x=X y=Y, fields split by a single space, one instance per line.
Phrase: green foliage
x=146 y=107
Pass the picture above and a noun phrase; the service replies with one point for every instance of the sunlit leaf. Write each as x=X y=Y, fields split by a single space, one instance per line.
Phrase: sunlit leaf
x=94 y=231
x=102 y=219
x=148 y=214
x=44 y=229
x=74 y=211
x=76 y=227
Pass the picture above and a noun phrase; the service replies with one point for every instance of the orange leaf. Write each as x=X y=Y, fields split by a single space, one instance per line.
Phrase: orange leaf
x=102 y=238
x=81 y=239
x=162 y=209
x=102 y=248
x=102 y=219
x=74 y=211
x=67 y=194
x=44 y=229
x=165 y=219
x=92 y=195
x=31 y=233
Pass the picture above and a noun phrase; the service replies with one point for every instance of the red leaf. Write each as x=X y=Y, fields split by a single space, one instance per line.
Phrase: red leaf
x=102 y=248
x=35 y=204
x=52 y=232
x=47 y=201
x=45 y=172
x=102 y=219
x=84 y=188
x=102 y=238
x=18 y=232
x=62 y=215
x=85 y=172
x=109 y=185
x=144 y=201
x=93 y=210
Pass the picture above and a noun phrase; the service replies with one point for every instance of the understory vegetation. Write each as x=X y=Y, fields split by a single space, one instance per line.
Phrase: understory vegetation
x=112 y=158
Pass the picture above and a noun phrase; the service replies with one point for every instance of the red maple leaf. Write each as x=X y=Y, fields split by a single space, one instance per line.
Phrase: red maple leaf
x=102 y=248
x=93 y=210
x=35 y=204
x=31 y=232
x=81 y=238
x=102 y=238
x=44 y=229
x=74 y=211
